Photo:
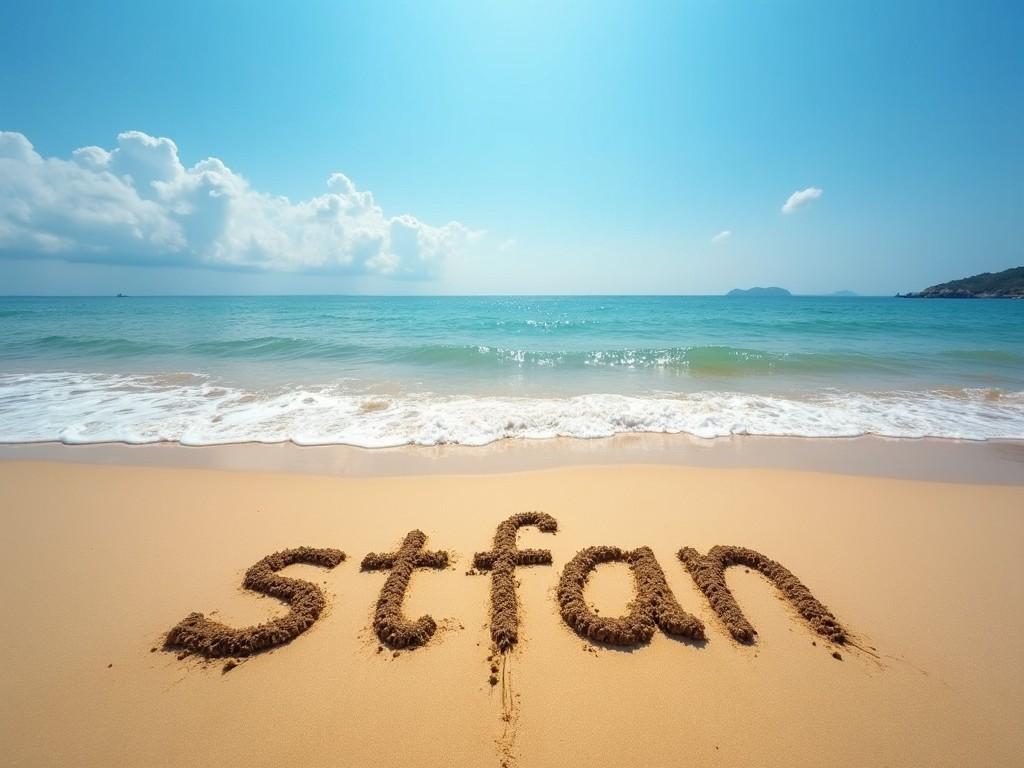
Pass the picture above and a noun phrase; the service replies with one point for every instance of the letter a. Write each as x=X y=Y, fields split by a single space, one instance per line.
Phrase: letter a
x=654 y=606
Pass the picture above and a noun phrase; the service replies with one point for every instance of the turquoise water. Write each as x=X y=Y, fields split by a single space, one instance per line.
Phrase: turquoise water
x=387 y=371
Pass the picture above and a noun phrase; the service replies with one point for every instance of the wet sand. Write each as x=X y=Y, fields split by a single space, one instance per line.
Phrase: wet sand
x=104 y=560
x=958 y=461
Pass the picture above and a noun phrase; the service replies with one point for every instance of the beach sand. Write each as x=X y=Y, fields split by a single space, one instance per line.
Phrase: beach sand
x=104 y=560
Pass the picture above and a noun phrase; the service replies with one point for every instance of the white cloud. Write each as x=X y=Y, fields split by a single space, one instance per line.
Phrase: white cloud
x=138 y=204
x=725 y=234
x=800 y=198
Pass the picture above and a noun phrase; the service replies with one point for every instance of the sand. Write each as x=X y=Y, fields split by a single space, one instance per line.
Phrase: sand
x=922 y=577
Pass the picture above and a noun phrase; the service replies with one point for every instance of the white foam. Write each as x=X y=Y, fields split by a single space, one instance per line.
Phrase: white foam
x=193 y=410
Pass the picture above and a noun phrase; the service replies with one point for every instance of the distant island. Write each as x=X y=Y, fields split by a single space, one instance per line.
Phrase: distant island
x=1008 y=284
x=771 y=291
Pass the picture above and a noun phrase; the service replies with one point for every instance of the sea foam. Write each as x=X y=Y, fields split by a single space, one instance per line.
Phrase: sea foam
x=195 y=409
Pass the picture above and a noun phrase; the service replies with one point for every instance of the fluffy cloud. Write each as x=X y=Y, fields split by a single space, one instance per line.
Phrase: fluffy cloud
x=801 y=197
x=138 y=204
x=725 y=234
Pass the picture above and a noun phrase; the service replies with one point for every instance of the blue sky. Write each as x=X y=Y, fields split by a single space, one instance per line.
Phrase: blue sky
x=518 y=147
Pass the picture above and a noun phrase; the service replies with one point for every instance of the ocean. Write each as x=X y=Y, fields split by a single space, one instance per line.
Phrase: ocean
x=388 y=371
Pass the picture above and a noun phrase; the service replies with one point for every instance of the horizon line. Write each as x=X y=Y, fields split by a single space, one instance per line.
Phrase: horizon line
x=831 y=295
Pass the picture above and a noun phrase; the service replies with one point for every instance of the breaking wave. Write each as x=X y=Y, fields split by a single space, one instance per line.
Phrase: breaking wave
x=193 y=409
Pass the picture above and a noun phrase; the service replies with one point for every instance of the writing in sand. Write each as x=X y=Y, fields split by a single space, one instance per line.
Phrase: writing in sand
x=654 y=605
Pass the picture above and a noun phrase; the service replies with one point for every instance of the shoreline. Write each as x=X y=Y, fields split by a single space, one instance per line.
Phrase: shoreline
x=999 y=462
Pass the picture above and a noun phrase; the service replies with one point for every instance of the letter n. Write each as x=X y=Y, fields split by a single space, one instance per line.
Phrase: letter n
x=709 y=573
